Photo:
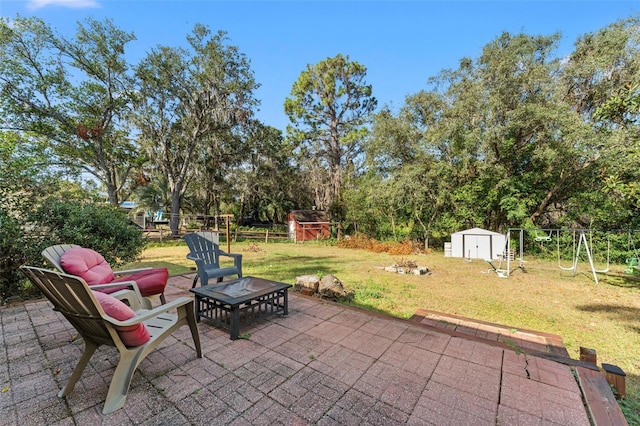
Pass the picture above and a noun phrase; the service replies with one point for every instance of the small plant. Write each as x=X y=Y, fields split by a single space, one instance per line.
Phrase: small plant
x=245 y=336
x=512 y=346
x=312 y=357
x=365 y=293
x=630 y=408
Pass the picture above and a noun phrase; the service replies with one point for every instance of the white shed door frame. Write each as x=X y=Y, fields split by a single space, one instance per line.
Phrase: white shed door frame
x=477 y=246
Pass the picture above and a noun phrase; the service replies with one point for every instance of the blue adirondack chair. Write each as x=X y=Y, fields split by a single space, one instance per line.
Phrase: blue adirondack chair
x=205 y=251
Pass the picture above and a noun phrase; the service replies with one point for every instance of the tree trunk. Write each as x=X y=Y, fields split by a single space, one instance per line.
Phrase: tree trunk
x=174 y=219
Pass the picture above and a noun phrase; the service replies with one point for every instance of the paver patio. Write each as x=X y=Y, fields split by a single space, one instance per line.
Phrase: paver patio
x=323 y=364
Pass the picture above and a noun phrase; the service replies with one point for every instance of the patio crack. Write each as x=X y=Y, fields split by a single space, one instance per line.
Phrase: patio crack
x=526 y=366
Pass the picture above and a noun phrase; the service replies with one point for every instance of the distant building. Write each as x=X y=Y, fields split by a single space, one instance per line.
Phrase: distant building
x=477 y=243
x=308 y=225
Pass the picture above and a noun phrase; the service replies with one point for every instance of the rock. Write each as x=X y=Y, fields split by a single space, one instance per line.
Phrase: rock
x=332 y=288
x=307 y=291
x=421 y=270
x=414 y=270
x=309 y=282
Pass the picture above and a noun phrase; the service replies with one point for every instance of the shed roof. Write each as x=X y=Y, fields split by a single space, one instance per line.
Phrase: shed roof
x=476 y=231
x=310 y=216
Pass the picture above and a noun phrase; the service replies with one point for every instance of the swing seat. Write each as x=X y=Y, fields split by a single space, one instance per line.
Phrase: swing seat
x=633 y=266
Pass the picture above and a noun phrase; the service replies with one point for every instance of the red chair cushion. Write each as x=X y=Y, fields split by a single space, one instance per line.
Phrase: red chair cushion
x=88 y=265
x=150 y=281
x=133 y=335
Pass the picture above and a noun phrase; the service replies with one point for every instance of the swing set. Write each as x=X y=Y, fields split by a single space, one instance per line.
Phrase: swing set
x=580 y=242
x=579 y=235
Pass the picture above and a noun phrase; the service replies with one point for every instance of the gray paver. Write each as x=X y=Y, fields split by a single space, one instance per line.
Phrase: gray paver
x=324 y=364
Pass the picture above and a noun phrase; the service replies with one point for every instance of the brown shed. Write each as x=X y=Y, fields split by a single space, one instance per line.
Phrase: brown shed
x=308 y=225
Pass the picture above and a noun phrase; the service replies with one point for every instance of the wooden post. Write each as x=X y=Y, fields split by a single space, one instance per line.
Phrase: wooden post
x=588 y=355
x=226 y=222
x=616 y=378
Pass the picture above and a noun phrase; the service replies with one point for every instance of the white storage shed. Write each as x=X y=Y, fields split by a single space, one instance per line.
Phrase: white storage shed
x=477 y=243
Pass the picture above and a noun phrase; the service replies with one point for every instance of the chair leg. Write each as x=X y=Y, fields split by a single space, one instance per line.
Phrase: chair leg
x=89 y=349
x=163 y=300
x=195 y=281
x=191 y=320
x=121 y=381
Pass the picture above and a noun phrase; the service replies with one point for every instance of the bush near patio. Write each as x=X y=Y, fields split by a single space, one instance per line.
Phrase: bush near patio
x=23 y=236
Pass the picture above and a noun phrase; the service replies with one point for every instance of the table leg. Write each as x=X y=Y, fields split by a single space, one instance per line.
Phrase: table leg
x=286 y=302
x=196 y=306
x=235 y=322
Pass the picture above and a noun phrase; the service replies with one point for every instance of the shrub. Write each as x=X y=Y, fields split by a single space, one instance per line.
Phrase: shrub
x=105 y=229
x=16 y=251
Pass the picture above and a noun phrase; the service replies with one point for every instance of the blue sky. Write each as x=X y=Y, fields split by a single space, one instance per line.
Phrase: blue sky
x=401 y=43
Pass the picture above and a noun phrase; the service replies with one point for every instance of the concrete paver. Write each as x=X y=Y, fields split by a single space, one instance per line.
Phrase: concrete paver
x=324 y=364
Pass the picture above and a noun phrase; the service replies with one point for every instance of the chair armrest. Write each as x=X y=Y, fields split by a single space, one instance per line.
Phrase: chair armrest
x=237 y=259
x=152 y=313
x=132 y=284
x=132 y=294
x=200 y=262
x=193 y=257
x=130 y=271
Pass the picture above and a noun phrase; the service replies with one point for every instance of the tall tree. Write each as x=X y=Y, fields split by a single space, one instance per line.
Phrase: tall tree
x=267 y=181
x=329 y=108
x=416 y=168
x=600 y=80
x=72 y=92
x=187 y=99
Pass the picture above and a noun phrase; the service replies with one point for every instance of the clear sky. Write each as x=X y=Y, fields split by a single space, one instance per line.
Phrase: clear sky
x=402 y=43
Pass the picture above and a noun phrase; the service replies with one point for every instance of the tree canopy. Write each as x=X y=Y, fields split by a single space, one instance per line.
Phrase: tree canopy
x=188 y=104
x=517 y=136
x=71 y=94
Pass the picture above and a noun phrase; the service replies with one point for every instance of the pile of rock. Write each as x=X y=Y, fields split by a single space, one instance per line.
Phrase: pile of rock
x=402 y=269
x=328 y=287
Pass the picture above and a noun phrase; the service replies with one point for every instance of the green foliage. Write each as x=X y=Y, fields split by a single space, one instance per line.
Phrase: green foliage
x=267 y=181
x=23 y=236
x=190 y=106
x=631 y=408
x=16 y=250
x=508 y=140
x=73 y=93
x=103 y=228
x=329 y=108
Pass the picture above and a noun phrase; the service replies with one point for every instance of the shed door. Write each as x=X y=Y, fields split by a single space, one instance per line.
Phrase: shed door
x=477 y=246
x=292 y=230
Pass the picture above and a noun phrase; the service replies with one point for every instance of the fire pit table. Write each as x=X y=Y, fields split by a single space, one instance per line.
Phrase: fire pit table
x=240 y=302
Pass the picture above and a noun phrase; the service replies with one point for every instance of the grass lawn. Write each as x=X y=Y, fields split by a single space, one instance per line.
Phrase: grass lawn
x=604 y=316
